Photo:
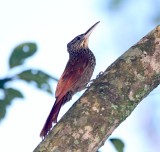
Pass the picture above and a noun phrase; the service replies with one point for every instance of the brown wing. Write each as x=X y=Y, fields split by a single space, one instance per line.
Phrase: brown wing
x=72 y=73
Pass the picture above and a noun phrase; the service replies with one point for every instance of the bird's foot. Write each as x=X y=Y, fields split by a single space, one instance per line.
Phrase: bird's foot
x=91 y=81
x=100 y=74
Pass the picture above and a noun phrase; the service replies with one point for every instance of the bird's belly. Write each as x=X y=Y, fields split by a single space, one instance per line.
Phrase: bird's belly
x=84 y=80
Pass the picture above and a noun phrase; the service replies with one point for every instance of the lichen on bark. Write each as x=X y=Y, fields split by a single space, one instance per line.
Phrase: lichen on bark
x=109 y=100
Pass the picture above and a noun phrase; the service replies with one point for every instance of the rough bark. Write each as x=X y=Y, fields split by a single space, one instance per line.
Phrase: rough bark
x=109 y=100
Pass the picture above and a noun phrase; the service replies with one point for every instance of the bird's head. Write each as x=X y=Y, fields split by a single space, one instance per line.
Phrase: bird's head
x=81 y=41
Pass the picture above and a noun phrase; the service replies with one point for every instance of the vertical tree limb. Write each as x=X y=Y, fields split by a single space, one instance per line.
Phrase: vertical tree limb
x=109 y=100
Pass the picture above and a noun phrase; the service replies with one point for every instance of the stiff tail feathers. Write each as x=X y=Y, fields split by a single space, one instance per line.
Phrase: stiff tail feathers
x=52 y=118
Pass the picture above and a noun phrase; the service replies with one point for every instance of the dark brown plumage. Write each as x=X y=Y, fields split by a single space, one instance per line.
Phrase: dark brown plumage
x=75 y=77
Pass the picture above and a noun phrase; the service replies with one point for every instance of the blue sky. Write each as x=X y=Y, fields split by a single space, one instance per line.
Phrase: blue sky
x=52 y=24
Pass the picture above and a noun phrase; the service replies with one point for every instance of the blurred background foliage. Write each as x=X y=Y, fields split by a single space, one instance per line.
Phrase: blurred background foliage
x=35 y=77
x=118 y=144
x=115 y=5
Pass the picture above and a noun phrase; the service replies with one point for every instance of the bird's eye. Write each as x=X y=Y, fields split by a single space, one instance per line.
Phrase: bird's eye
x=78 y=37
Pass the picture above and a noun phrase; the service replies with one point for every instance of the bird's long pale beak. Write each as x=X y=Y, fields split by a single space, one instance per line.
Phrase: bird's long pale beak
x=88 y=33
x=90 y=30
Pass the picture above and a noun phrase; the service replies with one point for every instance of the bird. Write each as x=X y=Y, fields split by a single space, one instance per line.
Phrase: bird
x=76 y=75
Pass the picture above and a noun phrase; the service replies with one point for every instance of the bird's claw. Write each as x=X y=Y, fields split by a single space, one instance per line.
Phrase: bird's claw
x=100 y=74
x=91 y=81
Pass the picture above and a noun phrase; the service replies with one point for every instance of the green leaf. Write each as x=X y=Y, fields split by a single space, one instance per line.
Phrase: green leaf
x=118 y=144
x=8 y=95
x=3 y=82
x=20 y=53
x=39 y=78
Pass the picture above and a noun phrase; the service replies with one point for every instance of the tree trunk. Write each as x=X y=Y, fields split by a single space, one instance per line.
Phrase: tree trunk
x=109 y=100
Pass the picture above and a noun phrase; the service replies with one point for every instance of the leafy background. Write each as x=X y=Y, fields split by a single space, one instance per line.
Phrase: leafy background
x=38 y=32
x=35 y=77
